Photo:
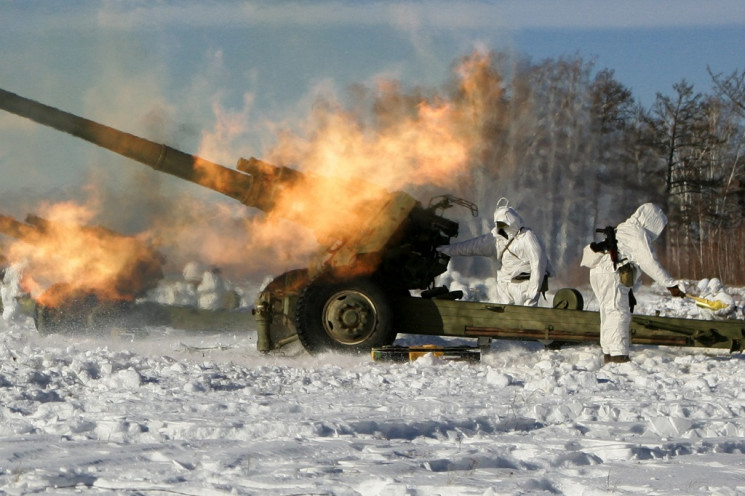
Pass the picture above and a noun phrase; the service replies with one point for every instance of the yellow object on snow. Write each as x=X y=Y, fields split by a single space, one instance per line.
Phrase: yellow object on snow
x=710 y=304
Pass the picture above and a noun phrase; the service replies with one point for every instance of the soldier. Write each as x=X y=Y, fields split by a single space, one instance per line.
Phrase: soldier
x=522 y=264
x=615 y=268
x=11 y=292
x=3 y=266
x=211 y=290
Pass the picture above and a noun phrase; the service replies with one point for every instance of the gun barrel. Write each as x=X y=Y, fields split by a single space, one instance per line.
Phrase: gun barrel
x=15 y=229
x=359 y=224
x=230 y=182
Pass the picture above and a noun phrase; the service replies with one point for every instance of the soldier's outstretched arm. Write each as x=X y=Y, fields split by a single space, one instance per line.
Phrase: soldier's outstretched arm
x=482 y=246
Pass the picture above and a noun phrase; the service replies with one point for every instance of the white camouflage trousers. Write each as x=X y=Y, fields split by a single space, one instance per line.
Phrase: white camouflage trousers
x=615 y=313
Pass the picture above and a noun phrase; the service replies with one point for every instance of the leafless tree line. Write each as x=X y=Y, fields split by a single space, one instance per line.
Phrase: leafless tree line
x=573 y=151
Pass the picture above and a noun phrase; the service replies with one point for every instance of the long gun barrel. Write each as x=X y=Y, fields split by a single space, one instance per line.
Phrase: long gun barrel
x=358 y=223
x=254 y=183
x=16 y=229
x=230 y=182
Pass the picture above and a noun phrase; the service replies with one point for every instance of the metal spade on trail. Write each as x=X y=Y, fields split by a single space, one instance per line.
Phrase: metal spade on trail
x=704 y=303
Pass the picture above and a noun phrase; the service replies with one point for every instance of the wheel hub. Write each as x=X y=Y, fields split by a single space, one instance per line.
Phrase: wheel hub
x=349 y=317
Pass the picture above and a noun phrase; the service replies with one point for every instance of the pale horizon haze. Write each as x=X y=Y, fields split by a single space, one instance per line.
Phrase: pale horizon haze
x=175 y=70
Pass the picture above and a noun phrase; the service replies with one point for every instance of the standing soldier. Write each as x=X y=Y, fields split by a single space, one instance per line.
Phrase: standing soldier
x=615 y=268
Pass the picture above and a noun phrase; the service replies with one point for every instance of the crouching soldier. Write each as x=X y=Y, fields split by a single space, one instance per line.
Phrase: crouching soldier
x=522 y=263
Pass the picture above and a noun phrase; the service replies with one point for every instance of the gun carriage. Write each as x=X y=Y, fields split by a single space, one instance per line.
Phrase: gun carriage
x=356 y=294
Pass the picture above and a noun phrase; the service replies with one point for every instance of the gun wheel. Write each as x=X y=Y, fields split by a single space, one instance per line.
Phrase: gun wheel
x=351 y=316
x=69 y=316
x=568 y=299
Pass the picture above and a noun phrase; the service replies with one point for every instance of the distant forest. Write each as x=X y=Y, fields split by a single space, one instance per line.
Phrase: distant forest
x=573 y=150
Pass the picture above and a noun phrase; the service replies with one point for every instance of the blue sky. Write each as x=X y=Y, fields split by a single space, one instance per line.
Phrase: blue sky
x=125 y=62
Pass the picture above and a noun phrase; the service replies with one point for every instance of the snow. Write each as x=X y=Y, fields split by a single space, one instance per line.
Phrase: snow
x=166 y=412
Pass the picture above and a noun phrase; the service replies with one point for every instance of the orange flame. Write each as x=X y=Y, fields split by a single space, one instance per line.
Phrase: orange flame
x=424 y=148
x=403 y=141
x=391 y=139
x=59 y=251
x=223 y=235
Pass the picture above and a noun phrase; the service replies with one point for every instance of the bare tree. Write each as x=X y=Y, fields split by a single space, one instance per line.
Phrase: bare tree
x=618 y=178
x=676 y=125
x=732 y=88
x=573 y=151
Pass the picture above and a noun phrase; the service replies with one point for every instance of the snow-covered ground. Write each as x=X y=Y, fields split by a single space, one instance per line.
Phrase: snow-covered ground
x=205 y=414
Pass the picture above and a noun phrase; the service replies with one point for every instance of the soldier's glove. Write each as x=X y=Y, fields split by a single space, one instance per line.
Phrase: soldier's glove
x=675 y=291
x=599 y=247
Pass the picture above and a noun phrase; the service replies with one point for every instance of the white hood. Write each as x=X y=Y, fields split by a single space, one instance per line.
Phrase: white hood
x=509 y=216
x=651 y=218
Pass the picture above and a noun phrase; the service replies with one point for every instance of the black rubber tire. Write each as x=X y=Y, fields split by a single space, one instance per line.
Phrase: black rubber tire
x=44 y=322
x=350 y=316
x=50 y=320
x=70 y=316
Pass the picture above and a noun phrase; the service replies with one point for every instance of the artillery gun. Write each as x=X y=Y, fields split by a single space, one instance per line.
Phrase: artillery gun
x=106 y=290
x=361 y=265
x=111 y=272
x=356 y=294
x=138 y=267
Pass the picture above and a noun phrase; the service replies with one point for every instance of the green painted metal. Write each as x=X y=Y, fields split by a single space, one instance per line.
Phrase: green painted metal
x=390 y=238
x=391 y=234
x=411 y=353
x=394 y=248
x=474 y=319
